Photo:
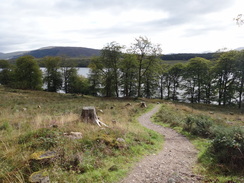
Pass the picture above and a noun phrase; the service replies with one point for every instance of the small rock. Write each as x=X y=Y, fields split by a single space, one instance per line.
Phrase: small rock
x=158 y=102
x=43 y=155
x=229 y=122
x=54 y=126
x=39 y=106
x=39 y=177
x=24 y=109
x=74 y=135
x=101 y=111
x=128 y=104
x=211 y=112
x=120 y=140
x=114 y=121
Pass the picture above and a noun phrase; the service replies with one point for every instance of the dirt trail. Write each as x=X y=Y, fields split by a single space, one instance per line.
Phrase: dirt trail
x=173 y=164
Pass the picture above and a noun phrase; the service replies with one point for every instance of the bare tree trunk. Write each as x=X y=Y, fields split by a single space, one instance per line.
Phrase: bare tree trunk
x=161 y=87
x=240 y=93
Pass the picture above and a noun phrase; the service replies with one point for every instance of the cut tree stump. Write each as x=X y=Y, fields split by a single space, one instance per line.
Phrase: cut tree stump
x=143 y=105
x=88 y=115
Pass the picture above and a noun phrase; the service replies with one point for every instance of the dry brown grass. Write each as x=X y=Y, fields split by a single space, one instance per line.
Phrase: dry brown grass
x=24 y=113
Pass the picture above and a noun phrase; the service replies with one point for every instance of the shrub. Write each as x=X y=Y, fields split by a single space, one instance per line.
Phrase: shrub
x=228 y=146
x=199 y=125
x=189 y=121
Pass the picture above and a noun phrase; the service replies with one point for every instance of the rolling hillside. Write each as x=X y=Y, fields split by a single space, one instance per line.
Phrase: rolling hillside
x=82 y=52
x=54 y=51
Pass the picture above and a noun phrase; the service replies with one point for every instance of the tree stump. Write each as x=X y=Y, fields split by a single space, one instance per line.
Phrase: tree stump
x=88 y=115
x=143 y=105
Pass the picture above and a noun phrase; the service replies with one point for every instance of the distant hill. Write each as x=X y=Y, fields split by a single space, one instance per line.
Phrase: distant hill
x=64 y=51
x=11 y=55
x=239 y=49
x=82 y=52
x=73 y=52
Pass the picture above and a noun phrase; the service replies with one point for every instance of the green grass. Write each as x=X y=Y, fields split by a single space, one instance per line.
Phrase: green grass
x=173 y=115
x=26 y=127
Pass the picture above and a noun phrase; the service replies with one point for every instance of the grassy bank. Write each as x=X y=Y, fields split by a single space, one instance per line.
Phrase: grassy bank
x=33 y=123
x=216 y=132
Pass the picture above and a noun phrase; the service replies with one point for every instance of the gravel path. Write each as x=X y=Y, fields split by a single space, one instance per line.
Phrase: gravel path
x=173 y=164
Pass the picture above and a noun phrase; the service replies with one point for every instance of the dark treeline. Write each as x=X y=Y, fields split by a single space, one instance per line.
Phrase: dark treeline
x=187 y=56
x=66 y=61
x=137 y=73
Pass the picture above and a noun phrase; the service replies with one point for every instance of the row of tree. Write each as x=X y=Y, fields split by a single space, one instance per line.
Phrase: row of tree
x=26 y=74
x=204 y=81
x=136 y=72
x=130 y=74
x=140 y=73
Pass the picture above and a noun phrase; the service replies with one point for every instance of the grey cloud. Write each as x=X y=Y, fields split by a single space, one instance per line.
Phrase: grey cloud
x=19 y=18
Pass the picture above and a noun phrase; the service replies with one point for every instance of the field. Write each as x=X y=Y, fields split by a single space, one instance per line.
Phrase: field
x=36 y=128
x=36 y=137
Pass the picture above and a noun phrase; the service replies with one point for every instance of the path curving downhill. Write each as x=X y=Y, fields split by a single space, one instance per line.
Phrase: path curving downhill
x=173 y=164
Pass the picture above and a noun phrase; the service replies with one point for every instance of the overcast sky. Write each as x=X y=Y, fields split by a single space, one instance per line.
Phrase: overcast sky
x=180 y=26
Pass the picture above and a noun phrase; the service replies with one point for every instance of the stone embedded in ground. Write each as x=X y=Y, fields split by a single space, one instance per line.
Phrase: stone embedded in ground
x=114 y=121
x=128 y=104
x=43 y=155
x=229 y=122
x=74 y=135
x=121 y=143
x=40 y=177
x=101 y=111
x=120 y=140
x=54 y=126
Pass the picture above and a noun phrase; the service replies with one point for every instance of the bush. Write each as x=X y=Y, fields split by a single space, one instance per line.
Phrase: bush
x=228 y=146
x=199 y=125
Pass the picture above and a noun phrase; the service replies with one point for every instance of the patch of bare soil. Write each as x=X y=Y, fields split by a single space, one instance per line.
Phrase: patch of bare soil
x=173 y=164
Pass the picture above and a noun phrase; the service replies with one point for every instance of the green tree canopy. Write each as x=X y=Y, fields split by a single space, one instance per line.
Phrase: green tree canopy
x=53 y=76
x=107 y=66
x=28 y=74
x=147 y=54
x=196 y=75
x=225 y=70
x=6 y=72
